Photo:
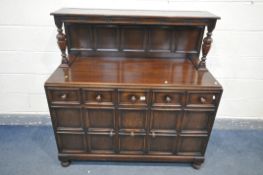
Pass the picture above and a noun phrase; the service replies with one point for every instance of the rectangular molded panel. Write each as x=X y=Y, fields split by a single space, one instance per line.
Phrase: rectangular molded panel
x=136 y=40
x=132 y=119
x=67 y=117
x=99 y=118
x=133 y=38
x=101 y=143
x=161 y=144
x=197 y=121
x=71 y=142
x=192 y=145
x=106 y=37
x=132 y=144
x=165 y=120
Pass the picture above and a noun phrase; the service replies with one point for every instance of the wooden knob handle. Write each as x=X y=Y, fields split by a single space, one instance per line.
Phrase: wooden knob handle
x=132 y=134
x=133 y=99
x=98 y=98
x=168 y=99
x=203 y=100
x=63 y=96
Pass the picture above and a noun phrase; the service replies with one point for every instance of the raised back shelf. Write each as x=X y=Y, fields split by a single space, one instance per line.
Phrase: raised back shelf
x=134 y=33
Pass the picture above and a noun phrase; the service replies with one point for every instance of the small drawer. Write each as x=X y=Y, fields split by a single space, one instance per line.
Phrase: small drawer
x=99 y=96
x=64 y=96
x=202 y=99
x=133 y=97
x=168 y=98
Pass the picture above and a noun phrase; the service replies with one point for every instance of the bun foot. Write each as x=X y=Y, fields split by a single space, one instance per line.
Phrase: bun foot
x=197 y=165
x=65 y=163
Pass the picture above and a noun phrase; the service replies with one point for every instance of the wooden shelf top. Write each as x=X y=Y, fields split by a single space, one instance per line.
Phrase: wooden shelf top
x=134 y=13
x=146 y=72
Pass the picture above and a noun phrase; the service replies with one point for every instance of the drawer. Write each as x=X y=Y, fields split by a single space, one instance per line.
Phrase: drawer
x=99 y=96
x=133 y=97
x=168 y=98
x=64 y=96
x=203 y=99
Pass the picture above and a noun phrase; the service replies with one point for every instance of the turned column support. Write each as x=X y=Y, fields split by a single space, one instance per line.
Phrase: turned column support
x=207 y=41
x=62 y=43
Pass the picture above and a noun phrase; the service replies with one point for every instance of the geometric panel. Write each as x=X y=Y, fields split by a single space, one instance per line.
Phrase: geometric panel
x=196 y=120
x=71 y=142
x=191 y=145
x=133 y=38
x=160 y=39
x=99 y=118
x=68 y=117
x=164 y=120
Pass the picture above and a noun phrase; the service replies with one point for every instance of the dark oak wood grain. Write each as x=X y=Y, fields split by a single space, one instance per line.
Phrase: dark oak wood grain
x=131 y=86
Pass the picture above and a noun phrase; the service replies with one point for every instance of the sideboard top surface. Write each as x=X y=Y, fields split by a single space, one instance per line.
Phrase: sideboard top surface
x=134 y=13
x=131 y=72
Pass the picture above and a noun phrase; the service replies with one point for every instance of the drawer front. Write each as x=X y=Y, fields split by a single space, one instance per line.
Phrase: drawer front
x=133 y=97
x=202 y=99
x=64 y=96
x=99 y=96
x=168 y=98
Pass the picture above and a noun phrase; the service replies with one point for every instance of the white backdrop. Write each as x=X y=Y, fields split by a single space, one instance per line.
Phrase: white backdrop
x=29 y=54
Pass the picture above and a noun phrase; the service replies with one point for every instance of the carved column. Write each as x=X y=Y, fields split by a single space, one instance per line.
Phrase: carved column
x=61 y=40
x=207 y=41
